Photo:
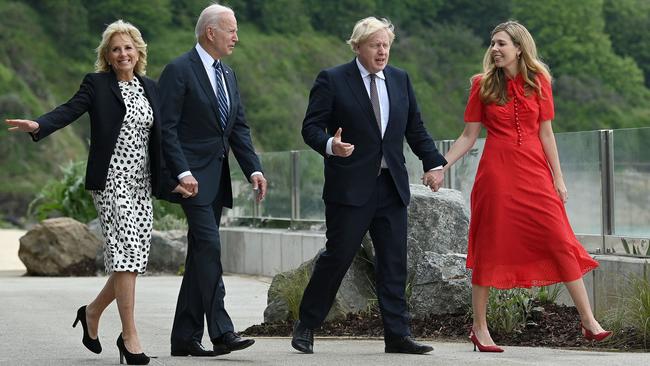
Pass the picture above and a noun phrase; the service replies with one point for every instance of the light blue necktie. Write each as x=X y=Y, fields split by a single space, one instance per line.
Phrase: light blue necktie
x=221 y=95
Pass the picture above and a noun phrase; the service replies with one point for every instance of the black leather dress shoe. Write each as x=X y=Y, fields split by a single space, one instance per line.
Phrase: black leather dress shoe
x=405 y=344
x=231 y=341
x=194 y=348
x=302 y=338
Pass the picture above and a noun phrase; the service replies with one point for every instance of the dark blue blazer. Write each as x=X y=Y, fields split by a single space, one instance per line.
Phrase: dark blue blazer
x=99 y=95
x=193 y=139
x=339 y=99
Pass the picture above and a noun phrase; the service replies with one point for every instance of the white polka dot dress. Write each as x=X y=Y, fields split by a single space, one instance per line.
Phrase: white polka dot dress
x=124 y=206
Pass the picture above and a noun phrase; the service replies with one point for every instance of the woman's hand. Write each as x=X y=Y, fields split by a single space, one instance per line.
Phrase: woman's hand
x=560 y=188
x=22 y=125
x=183 y=192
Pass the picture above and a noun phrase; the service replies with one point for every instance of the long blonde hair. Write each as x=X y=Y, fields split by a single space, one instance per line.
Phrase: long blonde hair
x=494 y=79
x=121 y=27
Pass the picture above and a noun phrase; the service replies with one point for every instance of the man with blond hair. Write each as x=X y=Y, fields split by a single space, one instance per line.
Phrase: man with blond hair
x=203 y=120
x=358 y=116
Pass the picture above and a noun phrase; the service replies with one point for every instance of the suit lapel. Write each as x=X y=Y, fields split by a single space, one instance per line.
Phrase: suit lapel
x=152 y=101
x=115 y=88
x=230 y=86
x=391 y=86
x=202 y=77
x=358 y=88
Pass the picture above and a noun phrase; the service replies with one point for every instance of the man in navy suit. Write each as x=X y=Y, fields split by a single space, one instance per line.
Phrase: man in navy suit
x=358 y=116
x=203 y=119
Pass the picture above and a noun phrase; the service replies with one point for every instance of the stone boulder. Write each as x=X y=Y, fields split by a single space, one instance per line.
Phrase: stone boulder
x=438 y=282
x=167 y=253
x=440 y=285
x=355 y=294
x=168 y=250
x=59 y=247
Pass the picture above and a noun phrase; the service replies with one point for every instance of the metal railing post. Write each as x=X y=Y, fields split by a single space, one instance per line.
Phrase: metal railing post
x=295 y=185
x=607 y=183
x=449 y=177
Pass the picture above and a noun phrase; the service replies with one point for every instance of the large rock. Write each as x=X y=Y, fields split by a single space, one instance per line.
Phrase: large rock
x=437 y=240
x=59 y=247
x=168 y=250
x=167 y=253
x=440 y=285
x=438 y=282
x=355 y=294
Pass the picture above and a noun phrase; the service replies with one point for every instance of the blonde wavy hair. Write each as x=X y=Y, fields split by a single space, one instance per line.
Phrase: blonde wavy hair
x=121 y=27
x=367 y=27
x=494 y=79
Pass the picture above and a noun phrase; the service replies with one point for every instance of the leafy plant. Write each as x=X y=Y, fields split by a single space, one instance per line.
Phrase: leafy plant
x=507 y=310
x=632 y=313
x=548 y=294
x=65 y=197
x=291 y=290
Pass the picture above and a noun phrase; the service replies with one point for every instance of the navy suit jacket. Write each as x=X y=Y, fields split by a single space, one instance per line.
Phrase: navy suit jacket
x=100 y=96
x=339 y=99
x=193 y=139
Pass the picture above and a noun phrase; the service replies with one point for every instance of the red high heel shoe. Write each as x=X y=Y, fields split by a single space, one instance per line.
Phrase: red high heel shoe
x=590 y=336
x=482 y=348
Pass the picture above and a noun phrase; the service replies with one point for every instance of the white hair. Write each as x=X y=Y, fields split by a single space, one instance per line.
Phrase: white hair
x=210 y=16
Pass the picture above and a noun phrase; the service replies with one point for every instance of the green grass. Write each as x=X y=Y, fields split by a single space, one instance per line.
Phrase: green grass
x=632 y=313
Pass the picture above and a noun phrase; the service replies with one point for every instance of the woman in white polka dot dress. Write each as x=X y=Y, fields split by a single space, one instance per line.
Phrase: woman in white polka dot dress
x=124 y=165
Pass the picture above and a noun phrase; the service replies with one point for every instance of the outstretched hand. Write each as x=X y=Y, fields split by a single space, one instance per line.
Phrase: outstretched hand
x=340 y=148
x=22 y=125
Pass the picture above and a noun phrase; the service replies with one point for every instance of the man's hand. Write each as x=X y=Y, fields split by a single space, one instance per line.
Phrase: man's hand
x=190 y=184
x=184 y=192
x=433 y=179
x=259 y=186
x=340 y=148
x=22 y=125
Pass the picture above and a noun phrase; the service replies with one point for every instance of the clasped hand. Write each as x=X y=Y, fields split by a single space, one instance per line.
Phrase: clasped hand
x=433 y=179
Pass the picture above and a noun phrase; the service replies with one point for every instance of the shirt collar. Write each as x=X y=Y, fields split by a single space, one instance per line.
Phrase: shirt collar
x=365 y=73
x=206 y=59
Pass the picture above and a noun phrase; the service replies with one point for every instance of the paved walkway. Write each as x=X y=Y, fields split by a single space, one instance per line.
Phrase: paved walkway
x=36 y=315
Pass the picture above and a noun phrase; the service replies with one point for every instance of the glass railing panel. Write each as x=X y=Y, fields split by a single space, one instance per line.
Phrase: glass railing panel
x=580 y=160
x=277 y=170
x=632 y=182
x=310 y=168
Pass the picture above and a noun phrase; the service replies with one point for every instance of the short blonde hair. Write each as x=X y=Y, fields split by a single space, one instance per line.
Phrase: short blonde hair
x=367 y=27
x=210 y=17
x=121 y=27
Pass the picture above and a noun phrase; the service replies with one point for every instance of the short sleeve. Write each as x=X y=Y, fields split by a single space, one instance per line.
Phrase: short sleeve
x=546 y=107
x=474 y=108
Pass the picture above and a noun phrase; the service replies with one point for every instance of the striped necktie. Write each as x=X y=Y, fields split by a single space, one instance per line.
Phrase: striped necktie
x=221 y=95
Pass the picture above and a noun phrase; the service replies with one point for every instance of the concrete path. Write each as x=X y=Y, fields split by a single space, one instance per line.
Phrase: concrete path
x=36 y=314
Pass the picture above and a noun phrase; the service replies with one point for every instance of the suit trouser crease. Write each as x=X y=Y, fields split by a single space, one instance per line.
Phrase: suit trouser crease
x=385 y=216
x=202 y=290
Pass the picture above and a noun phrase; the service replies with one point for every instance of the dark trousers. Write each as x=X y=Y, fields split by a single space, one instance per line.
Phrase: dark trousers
x=202 y=290
x=385 y=216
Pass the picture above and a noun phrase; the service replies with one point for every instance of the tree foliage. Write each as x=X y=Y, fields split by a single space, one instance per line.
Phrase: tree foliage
x=598 y=51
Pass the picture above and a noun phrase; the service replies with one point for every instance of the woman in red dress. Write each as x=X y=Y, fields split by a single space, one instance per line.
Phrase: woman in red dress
x=519 y=233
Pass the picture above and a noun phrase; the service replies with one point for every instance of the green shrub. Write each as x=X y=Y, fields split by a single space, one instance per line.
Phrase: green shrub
x=65 y=197
x=630 y=319
x=507 y=310
x=548 y=294
x=291 y=290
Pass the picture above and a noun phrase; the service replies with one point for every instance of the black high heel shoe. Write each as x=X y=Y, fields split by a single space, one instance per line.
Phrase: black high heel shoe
x=92 y=344
x=131 y=358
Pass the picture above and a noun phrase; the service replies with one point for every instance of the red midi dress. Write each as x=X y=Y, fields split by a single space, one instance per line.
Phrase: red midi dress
x=519 y=233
